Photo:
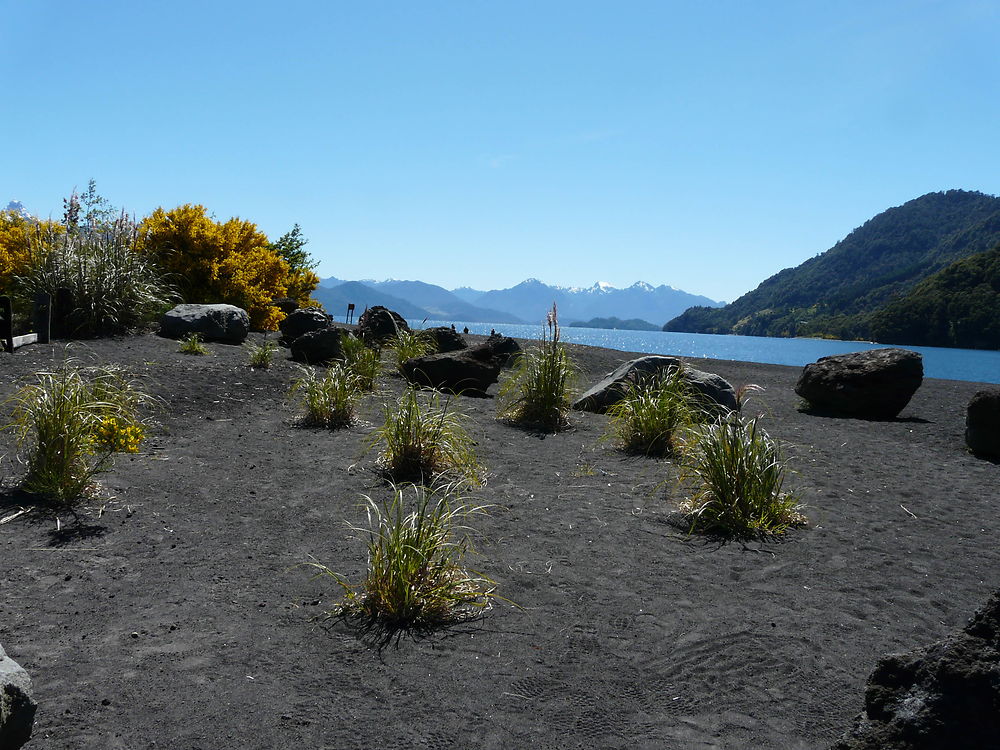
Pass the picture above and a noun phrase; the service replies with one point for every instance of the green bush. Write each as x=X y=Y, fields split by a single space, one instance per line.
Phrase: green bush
x=328 y=401
x=738 y=474
x=69 y=423
x=652 y=414
x=415 y=578
x=538 y=392
x=423 y=442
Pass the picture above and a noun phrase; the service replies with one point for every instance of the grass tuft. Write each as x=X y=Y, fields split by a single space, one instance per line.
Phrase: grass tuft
x=69 y=423
x=260 y=356
x=652 y=414
x=191 y=344
x=363 y=361
x=421 y=443
x=415 y=579
x=538 y=392
x=409 y=344
x=329 y=401
x=738 y=475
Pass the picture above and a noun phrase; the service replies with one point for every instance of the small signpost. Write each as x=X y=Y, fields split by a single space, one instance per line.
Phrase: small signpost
x=350 y=313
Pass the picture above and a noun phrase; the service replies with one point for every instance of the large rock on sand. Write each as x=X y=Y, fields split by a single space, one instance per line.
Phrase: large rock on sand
x=226 y=323
x=982 y=423
x=379 y=324
x=319 y=347
x=611 y=389
x=303 y=321
x=468 y=371
x=875 y=384
x=445 y=339
x=943 y=696
x=504 y=348
x=17 y=707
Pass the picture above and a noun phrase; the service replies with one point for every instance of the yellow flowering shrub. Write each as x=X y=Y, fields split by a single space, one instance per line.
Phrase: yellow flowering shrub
x=232 y=262
x=119 y=436
x=16 y=234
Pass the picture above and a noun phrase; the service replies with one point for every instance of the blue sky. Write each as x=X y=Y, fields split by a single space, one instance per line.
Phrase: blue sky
x=704 y=145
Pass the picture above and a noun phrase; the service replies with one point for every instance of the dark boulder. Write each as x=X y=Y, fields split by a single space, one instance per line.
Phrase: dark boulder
x=302 y=321
x=715 y=390
x=378 y=325
x=224 y=323
x=875 y=384
x=945 y=695
x=504 y=348
x=286 y=304
x=982 y=423
x=17 y=707
x=319 y=347
x=468 y=371
x=445 y=339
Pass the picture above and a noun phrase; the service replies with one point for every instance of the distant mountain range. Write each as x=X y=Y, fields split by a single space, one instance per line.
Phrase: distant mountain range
x=526 y=302
x=869 y=284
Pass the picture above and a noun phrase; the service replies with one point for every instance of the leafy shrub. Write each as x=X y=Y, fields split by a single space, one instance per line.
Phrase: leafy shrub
x=538 y=392
x=420 y=443
x=362 y=360
x=647 y=420
x=230 y=262
x=738 y=475
x=409 y=344
x=16 y=235
x=328 y=401
x=260 y=356
x=415 y=578
x=65 y=422
x=191 y=344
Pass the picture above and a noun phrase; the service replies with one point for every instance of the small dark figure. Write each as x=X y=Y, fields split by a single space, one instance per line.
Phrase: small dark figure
x=453 y=326
x=465 y=330
x=493 y=332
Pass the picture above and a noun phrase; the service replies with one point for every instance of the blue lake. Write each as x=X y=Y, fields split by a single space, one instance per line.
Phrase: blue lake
x=951 y=364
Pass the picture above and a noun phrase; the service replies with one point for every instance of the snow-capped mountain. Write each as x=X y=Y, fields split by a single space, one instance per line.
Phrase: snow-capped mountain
x=18 y=208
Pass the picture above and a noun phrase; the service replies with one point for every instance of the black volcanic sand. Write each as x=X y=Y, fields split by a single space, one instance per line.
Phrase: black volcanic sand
x=177 y=617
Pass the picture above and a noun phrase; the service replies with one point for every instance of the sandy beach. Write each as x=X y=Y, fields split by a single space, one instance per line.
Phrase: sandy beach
x=177 y=617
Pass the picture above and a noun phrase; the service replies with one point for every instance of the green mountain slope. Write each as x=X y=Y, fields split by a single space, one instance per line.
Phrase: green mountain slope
x=958 y=306
x=835 y=293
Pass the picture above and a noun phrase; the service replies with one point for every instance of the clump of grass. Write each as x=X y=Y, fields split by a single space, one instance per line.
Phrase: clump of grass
x=362 y=360
x=409 y=344
x=653 y=413
x=738 y=475
x=415 y=578
x=538 y=392
x=260 y=356
x=423 y=442
x=69 y=422
x=330 y=400
x=191 y=344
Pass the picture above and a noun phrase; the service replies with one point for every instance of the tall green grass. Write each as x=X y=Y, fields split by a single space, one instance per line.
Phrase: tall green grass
x=328 y=400
x=115 y=285
x=415 y=577
x=69 y=422
x=653 y=413
x=737 y=474
x=363 y=360
x=409 y=344
x=539 y=390
x=420 y=442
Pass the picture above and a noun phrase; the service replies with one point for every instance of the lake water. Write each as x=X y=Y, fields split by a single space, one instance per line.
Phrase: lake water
x=951 y=364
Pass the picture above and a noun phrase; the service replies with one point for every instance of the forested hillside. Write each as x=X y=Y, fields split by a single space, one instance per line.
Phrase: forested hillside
x=836 y=293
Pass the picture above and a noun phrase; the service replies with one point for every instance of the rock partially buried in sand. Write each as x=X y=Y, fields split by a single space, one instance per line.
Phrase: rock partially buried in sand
x=611 y=389
x=469 y=371
x=875 y=384
x=303 y=321
x=226 y=323
x=379 y=324
x=17 y=707
x=445 y=339
x=982 y=423
x=943 y=696
x=319 y=347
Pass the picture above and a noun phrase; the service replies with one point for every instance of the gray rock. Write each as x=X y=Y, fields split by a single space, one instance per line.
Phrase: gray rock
x=504 y=348
x=945 y=695
x=875 y=384
x=378 y=325
x=468 y=371
x=319 y=347
x=225 y=323
x=611 y=389
x=445 y=339
x=982 y=423
x=17 y=707
x=302 y=321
